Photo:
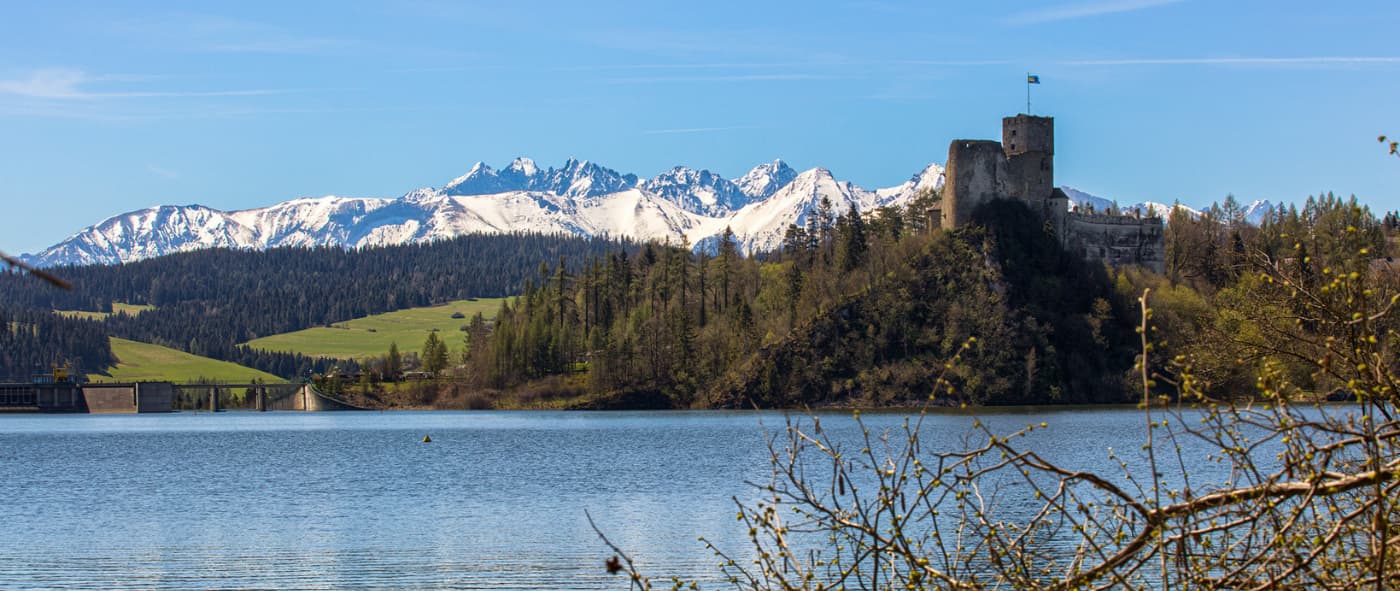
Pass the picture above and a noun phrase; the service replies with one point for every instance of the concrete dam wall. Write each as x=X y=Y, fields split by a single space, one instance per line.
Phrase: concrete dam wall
x=155 y=397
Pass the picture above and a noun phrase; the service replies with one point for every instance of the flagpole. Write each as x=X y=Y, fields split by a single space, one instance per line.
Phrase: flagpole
x=1028 y=93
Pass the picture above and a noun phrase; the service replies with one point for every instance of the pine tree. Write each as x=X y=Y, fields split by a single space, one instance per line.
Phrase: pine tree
x=393 y=363
x=853 y=241
x=434 y=354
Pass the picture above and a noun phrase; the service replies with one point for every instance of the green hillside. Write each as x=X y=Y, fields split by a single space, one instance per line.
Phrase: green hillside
x=144 y=361
x=371 y=335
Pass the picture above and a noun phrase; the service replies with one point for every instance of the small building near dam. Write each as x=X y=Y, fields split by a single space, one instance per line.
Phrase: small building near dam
x=68 y=397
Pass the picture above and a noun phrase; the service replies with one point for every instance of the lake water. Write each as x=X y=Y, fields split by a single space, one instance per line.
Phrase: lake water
x=243 y=500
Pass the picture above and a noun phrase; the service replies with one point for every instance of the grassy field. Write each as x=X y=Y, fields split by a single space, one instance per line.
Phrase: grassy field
x=117 y=308
x=142 y=361
x=371 y=335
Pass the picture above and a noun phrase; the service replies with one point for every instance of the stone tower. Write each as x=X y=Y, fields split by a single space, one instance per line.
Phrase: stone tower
x=974 y=174
x=1029 y=142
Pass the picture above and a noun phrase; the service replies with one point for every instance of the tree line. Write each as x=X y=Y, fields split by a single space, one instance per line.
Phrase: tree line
x=32 y=342
x=208 y=301
x=1220 y=303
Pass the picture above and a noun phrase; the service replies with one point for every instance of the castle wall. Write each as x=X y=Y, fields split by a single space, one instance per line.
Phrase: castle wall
x=1117 y=240
x=1030 y=177
x=974 y=174
x=1022 y=167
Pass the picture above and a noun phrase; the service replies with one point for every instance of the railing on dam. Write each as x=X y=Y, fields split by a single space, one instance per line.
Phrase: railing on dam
x=259 y=397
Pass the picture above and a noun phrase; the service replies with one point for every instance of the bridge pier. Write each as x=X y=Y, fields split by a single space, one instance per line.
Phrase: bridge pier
x=214 y=399
x=261 y=397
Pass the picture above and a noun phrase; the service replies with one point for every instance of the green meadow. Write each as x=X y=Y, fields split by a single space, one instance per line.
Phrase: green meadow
x=117 y=308
x=371 y=335
x=146 y=362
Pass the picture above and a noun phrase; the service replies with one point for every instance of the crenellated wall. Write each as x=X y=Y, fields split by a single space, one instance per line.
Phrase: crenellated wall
x=1117 y=240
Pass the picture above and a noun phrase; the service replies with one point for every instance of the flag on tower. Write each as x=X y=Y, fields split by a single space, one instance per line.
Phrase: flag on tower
x=1032 y=79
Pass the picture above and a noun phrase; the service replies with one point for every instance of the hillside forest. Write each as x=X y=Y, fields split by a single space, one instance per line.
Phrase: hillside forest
x=207 y=302
x=855 y=308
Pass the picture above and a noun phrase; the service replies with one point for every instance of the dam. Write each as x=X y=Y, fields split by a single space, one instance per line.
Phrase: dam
x=157 y=397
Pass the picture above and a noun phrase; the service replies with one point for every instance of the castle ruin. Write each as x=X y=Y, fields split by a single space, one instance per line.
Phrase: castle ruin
x=1022 y=167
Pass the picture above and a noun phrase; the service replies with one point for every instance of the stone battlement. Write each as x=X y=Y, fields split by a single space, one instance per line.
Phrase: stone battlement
x=1120 y=219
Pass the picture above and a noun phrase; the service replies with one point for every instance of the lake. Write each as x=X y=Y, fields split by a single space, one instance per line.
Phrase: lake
x=497 y=500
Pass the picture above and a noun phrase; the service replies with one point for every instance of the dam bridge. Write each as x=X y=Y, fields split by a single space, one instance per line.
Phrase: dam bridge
x=148 y=397
x=258 y=397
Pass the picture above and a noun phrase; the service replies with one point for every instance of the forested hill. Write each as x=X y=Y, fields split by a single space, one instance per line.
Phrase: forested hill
x=1029 y=324
x=207 y=301
x=855 y=309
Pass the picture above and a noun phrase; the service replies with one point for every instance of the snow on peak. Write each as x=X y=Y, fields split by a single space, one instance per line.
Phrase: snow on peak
x=524 y=166
x=760 y=225
x=765 y=179
x=581 y=178
x=481 y=179
x=1088 y=202
x=1257 y=210
x=930 y=178
x=699 y=191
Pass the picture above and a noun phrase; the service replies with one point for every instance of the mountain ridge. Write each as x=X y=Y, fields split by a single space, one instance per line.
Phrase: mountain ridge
x=682 y=205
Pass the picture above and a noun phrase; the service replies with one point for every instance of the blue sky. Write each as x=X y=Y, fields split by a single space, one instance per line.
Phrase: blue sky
x=107 y=107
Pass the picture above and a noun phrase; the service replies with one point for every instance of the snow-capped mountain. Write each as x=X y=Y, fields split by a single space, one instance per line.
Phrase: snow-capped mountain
x=765 y=179
x=760 y=227
x=1254 y=213
x=577 y=178
x=682 y=205
x=1085 y=201
x=699 y=191
x=483 y=180
x=1257 y=210
x=930 y=178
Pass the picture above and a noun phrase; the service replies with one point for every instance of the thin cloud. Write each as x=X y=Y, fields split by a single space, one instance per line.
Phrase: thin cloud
x=696 y=130
x=951 y=63
x=724 y=78
x=700 y=66
x=1084 y=10
x=307 y=45
x=71 y=84
x=164 y=173
x=47 y=83
x=1240 y=61
x=782 y=65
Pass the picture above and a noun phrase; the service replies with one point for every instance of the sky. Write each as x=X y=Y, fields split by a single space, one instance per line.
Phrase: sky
x=111 y=106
